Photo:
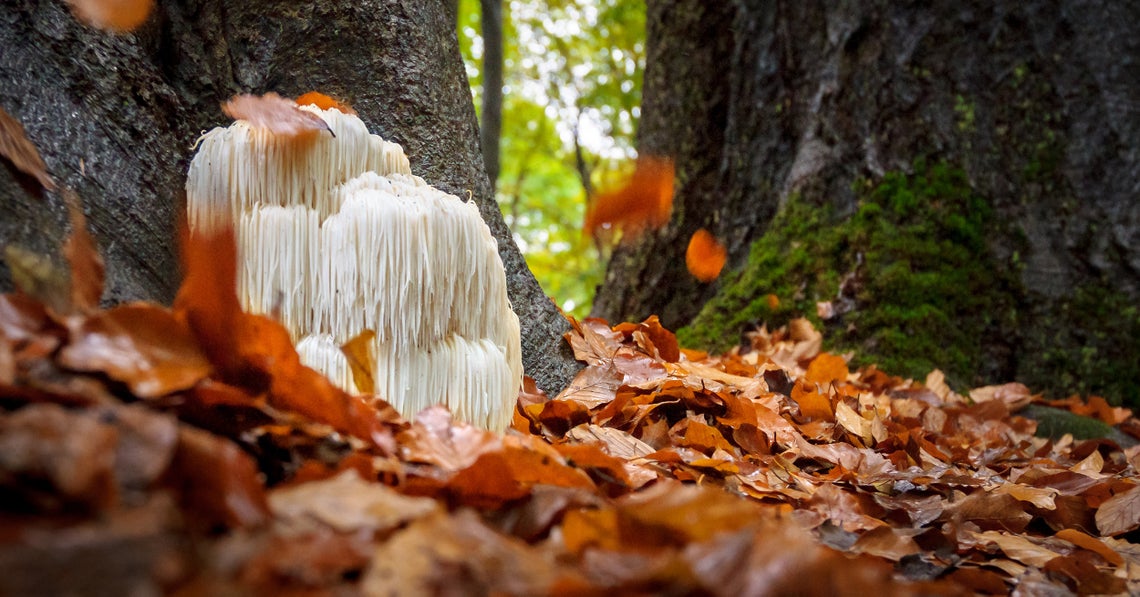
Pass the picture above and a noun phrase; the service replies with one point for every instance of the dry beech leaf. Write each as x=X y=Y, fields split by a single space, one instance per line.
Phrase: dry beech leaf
x=644 y=203
x=117 y=16
x=279 y=115
x=1092 y=544
x=347 y=504
x=324 y=102
x=827 y=369
x=141 y=345
x=1120 y=513
x=83 y=258
x=19 y=150
x=359 y=351
x=705 y=256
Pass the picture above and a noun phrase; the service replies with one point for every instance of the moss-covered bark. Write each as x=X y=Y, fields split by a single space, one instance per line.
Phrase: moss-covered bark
x=916 y=285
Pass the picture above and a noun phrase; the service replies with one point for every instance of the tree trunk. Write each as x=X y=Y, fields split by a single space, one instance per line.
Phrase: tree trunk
x=492 y=126
x=766 y=103
x=116 y=117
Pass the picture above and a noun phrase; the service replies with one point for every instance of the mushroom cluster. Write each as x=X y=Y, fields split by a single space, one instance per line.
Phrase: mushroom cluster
x=336 y=237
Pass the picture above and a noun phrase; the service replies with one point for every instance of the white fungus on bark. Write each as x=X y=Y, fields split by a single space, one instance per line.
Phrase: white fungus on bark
x=336 y=237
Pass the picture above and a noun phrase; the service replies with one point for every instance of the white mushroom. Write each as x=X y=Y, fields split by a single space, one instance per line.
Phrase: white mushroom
x=337 y=237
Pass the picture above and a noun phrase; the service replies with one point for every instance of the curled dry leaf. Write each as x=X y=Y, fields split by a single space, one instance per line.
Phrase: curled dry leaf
x=705 y=256
x=19 y=150
x=324 y=102
x=118 y=16
x=642 y=204
x=83 y=258
x=274 y=113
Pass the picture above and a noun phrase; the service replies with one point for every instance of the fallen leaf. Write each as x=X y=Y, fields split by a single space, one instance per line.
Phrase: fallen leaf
x=345 y=503
x=827 y=369
x=644 y=203
x=456 y=555
x=705 y=256
x=141 y=345
x=279 y=115
x=1016 y=547
x=86 y=264
x=21 y=152
x=1120 y=513
x=359 y=353
x=1086 y=541
x=217 y=481
x=324 y=102
x=119 y=16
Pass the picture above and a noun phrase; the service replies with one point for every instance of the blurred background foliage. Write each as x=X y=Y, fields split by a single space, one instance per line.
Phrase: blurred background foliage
x=572 y=72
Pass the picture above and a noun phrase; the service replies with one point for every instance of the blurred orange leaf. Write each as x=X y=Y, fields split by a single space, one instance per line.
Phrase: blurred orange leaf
x=705 y=256
x=18 y=149
x=644 y=203
x=118 y=16
x=277 y=114
x=217 y=480
x=324 y=102
x=83 y=258
x=827 y=368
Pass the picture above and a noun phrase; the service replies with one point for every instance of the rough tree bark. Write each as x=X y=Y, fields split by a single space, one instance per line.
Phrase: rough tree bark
x=115 y=117
x=1034 y=101
x=491 y=128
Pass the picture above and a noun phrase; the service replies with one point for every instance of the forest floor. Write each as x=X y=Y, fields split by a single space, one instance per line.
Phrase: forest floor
x=186 y=450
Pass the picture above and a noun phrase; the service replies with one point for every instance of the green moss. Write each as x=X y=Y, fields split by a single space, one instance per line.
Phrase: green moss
x=924 y=289
x=926 y=292
x=1087 y=343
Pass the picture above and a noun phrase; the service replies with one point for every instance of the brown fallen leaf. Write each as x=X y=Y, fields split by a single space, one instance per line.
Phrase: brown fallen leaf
x=139 y=344
x=324 y=102
x=21 y=152
x=358 y=351
x=119 y=16
x=279 y=115
x=1120 y=513
x=83 y=259
x=345 y=503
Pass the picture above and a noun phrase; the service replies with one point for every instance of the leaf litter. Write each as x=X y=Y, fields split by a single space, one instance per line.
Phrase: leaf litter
x=192 y=442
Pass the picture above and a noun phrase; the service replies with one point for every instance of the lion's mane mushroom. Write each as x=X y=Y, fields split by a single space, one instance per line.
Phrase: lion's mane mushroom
x=337 y=237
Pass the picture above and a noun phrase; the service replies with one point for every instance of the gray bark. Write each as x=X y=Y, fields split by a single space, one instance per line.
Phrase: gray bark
x=115 y=118
x=491 y=128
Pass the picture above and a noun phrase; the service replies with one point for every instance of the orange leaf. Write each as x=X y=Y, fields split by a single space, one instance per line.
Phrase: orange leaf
x=812 y=404
x=591 y=528
x=826 y=368
x=83 y=258
x=141 y=345
x=18 y=149
x=773 y=301
x=217 y=480
x=255 y=352
x=324 y=102
x=705 y=256
x=360 y=358
x=118 y=16
x=1091 y=543
x=645 y=202
x=277 y=114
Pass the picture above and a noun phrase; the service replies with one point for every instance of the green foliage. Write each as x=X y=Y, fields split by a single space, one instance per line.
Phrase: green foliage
x=572 y=72
x=924 y=290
